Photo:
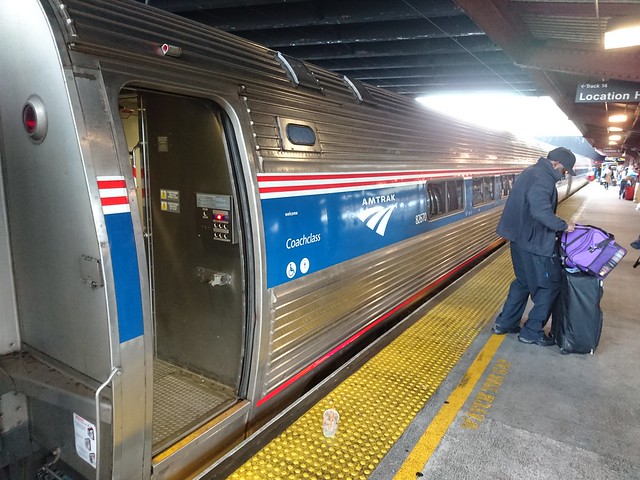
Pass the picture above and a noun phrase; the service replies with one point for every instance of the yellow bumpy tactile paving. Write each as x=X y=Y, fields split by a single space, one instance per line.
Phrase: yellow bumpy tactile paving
x=378 y=402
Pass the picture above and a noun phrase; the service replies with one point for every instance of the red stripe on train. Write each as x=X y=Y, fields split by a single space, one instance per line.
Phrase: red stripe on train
x=106 y=201
x=104 y=184
x=358 y=334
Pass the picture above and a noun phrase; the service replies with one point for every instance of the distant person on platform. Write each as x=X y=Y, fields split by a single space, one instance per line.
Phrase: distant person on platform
x=606 y=178
x=530 y=223
x=624 y=183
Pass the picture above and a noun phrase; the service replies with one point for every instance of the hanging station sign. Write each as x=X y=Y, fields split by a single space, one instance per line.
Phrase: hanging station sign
x=620 y=92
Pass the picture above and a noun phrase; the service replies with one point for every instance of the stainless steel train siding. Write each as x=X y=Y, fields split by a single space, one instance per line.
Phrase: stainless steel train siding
x=162 y=185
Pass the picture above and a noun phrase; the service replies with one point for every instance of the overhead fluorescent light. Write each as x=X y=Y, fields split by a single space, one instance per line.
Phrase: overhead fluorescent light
x=622 y=32
x=612 y=142
x=615 y=137
x=618 y=118
x=614 y=129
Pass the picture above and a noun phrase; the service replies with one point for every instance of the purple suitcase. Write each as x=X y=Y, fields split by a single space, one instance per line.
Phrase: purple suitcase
x=591 y=250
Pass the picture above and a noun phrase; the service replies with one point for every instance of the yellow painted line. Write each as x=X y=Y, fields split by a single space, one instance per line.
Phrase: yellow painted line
x=430 y=439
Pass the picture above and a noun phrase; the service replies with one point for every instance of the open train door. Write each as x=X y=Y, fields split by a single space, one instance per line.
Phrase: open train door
x=182 y=167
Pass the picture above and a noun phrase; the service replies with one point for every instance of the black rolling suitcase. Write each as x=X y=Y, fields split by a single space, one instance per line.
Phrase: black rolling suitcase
x=577 y=317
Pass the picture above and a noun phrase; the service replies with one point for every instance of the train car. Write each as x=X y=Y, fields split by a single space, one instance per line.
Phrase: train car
x=194 y=229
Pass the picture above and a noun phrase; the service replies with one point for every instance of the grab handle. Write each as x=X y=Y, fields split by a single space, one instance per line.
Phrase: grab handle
x=114 y=372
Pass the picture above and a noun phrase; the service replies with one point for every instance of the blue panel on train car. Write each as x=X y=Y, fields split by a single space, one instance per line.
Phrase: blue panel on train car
x=124 y=258
x=309 y=227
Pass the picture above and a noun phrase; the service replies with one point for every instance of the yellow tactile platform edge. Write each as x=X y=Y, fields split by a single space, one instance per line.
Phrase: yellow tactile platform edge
x=378 y=402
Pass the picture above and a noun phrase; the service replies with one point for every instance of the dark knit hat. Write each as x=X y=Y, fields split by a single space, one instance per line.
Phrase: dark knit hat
x=565 y=157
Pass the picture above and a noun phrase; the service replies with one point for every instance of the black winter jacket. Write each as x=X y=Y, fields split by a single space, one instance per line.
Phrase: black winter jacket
x=529 y=217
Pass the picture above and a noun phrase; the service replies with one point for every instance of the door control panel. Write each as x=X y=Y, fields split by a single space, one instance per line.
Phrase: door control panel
x=215 y=221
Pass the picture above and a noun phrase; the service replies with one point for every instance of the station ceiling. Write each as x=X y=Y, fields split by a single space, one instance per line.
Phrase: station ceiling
x=421 y=47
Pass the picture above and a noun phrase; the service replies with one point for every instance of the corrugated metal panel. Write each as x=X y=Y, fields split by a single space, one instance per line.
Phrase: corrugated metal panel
x=123 y=30
x=573 y=29
x=343 y=300
x=396 y=135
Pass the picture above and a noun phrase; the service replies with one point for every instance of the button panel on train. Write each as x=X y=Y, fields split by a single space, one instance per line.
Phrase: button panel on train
x=214 y=217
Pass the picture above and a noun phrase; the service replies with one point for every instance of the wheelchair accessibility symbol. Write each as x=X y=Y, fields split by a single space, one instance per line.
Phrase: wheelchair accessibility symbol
x=291 y=269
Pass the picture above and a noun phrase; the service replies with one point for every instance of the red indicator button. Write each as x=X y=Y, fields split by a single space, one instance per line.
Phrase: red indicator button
x=29 y=118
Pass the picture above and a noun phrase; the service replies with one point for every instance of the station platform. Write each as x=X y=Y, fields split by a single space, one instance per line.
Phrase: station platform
x=446 y=399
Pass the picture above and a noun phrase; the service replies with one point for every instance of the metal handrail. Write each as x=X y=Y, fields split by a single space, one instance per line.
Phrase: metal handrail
x=114 y=372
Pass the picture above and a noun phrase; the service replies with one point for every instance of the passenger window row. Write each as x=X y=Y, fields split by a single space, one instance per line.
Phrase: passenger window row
x=447 y=196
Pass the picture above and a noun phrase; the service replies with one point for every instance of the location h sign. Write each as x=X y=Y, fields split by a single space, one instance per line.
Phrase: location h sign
x=620 y=92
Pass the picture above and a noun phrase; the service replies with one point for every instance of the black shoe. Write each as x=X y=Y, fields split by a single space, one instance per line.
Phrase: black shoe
x=497 y=330
x=636 y=244
x=543 y=341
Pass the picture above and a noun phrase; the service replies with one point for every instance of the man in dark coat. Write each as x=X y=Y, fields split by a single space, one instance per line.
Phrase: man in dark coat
x=530 y=223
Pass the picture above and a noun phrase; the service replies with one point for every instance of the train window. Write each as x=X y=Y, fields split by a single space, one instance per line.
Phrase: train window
x=301 y=134
x=483 y=190
x=444 y=197
x=298 y=72
x=298 y=135
x=359 y=89
x=506 y=184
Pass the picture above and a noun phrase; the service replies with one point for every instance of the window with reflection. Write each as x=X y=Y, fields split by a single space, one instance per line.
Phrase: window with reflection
x=506 y=184
x=483 y=190
x=445 y=197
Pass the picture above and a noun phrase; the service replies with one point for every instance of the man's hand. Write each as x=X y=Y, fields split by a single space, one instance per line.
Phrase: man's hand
x=570 y=226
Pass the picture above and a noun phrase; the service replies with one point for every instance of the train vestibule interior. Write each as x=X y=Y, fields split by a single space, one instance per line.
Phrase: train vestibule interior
x=182 y=172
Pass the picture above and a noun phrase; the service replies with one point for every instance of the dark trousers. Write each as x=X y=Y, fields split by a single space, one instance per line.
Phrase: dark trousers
x=537 y=277
x=621 y=192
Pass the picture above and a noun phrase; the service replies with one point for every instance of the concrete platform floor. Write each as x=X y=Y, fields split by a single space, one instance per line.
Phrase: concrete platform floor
x=537 y=414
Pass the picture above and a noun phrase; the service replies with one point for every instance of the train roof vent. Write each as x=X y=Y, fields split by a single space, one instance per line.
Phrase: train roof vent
x=360 y=90
x=298 y=72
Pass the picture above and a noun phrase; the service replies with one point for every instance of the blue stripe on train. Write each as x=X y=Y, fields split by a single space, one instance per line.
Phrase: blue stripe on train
x=126 y=275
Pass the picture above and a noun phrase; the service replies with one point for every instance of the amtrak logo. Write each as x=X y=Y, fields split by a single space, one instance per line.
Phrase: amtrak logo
x=376 y=218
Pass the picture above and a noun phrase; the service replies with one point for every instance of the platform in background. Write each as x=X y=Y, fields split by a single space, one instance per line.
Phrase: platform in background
x=551 y=416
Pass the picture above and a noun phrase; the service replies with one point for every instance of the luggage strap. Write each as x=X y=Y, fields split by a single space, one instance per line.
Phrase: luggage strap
x=592 y=248
x=600 y=245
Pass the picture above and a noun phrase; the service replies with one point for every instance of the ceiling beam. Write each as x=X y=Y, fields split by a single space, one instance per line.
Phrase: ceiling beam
x=177 y=6
x=435 y=72
x=398 y=48
x=576 y=9
x=418 y=91
x=365 y=32
x=336 y=12
x=499 y=18
x=416 y=61
x=458 y=82
x=572 y=58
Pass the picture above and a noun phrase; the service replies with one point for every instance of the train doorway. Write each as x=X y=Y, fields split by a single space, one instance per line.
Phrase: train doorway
x=182 y=168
